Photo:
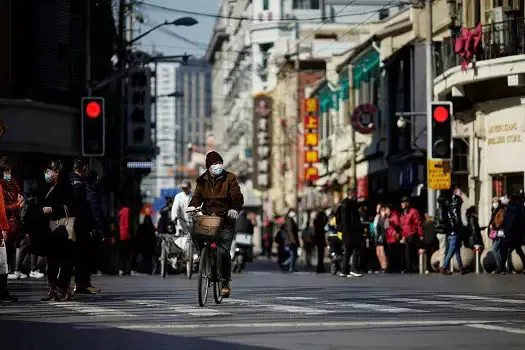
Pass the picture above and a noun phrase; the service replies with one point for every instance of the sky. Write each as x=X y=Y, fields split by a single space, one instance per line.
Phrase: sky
x=163 y=42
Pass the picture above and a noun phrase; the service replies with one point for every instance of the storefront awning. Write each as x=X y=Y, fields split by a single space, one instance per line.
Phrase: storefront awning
x=364 y=66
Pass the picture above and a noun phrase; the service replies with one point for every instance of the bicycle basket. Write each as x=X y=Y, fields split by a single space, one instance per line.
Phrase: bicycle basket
x=207 y=227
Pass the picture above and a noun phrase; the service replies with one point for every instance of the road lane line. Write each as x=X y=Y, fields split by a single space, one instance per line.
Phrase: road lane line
x=375 y=307
x=329 y=324
x=179 y=308
x=482 y=298
x=297 y=298
x=451 y=305
x=280 y=308
x=91 y=309
x=490 y=327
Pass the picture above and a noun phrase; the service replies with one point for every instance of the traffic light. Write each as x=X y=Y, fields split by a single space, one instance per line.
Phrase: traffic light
x=139 y=109
x=441 y=135
x=93 y=127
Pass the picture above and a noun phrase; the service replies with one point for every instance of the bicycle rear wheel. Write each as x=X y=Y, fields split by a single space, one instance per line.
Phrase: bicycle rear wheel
x=163 y=263
x=189 y=260
x=204 y=276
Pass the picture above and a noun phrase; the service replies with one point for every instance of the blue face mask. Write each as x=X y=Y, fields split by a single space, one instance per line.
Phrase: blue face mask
x=216 y=169
x=7 y=177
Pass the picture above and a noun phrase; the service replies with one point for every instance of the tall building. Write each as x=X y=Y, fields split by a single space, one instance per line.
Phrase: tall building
x=193 y=116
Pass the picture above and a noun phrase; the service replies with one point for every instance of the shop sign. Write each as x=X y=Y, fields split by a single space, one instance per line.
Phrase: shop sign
x=364 y=118
x=262 y=119
x=512 y=134
x=311 y=139
x=439 y=175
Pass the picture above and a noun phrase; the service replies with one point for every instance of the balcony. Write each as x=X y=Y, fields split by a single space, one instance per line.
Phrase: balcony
x=498 y=56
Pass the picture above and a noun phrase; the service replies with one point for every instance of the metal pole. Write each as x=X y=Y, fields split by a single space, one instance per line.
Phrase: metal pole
x=88 y=47
x=298 y=121
x=431 y=194
x=120 y=86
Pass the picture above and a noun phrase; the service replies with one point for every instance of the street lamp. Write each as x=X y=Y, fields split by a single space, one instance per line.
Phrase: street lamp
x=183 y=21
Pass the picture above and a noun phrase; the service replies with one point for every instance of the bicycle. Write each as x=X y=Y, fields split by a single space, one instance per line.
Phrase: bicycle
x=207 y=229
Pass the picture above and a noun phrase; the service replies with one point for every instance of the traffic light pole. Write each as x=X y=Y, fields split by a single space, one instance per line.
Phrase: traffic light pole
x=431 y=194
x=88 y=48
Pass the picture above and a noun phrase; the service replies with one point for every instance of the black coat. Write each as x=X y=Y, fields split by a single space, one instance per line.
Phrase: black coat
x=473 y=228
x=451 y=215
x=320 y=222
x=513 y=223
x=348 y=220
x=243 y=224
x=94 y=200
x=84 y=217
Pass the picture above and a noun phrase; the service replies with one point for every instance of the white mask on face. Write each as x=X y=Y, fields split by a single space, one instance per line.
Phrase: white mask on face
x=504 y=200
x=216 y=169
x=292 y=215
x=495 y=205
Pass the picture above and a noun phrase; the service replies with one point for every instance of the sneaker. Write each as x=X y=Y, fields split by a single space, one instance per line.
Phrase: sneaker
x=21 y=275
x=85 y=290
x=12 y=276
x=121 y=273
x=342 y=275
x=354 y=274
x=36 y=274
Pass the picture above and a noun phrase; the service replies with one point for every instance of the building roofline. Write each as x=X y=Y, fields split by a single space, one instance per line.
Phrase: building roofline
x=218 y=38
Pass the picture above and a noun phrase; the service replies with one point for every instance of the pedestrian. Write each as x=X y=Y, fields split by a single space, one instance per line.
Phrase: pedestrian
x=349 y=223
x=496 y=232
x=451 y=203
x=513 y=226
x=87 y=221
x=28 y=224
x=393 y=239
x=125 y=239
x=380 y=237
x=244 y=225
x=430 y=241
x=14 y=202
x=4 y=229
x=146 y=242
x=291 y=240
x=412 y=231
x=319 y=224
x=307 y=237
x=180 y=206
x=58 y=206
x=473 y=226
x=94 y=200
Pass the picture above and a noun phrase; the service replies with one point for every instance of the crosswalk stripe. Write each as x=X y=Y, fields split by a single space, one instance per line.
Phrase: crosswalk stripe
x=375 y=307
x=179 y=308
x=91 y=309
x=450 y=304
x=482 y=298
x=281 y=308
x=296 y=298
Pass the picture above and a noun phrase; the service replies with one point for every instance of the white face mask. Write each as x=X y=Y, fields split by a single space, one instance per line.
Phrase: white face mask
x=495 y=205
x=504 y=200
x=292 y=215
x=216 y=169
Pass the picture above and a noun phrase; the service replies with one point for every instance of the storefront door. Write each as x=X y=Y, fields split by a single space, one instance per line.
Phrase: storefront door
x=507 y=183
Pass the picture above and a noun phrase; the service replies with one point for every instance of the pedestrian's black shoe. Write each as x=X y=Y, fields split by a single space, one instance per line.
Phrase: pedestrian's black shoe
x=85 y=290
x=51 y=295
x=6 y=297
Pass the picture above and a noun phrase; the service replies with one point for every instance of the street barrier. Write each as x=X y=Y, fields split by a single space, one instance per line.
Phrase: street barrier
x=477 y=251
x=422 y=261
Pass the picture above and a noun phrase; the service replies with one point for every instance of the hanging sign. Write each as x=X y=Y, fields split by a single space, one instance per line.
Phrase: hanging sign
x=364 y=118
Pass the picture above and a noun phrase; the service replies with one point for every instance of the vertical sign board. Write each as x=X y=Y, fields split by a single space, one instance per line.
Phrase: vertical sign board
x=311 y=139
x=262 y=141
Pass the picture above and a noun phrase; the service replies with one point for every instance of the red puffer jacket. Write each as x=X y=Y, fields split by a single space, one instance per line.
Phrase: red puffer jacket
x=4 y=225
x=411 y=223
x=394 y=227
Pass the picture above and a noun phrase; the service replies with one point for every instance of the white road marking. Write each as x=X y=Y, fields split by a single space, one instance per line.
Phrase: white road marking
x=179 y=308
x=92 y=310
x=296 y=298
x=374 y=307
x=281 y=308
x=450 y=304
x=482 y=298
x=331 y=324
x=490 y=327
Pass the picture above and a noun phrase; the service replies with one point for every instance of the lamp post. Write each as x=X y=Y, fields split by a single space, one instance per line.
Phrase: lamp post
x=183 y=21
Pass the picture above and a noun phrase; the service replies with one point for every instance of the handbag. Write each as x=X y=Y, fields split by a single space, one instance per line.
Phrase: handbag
x=68 y=222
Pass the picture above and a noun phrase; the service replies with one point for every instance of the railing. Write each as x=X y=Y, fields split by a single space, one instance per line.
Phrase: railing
x=499 y=40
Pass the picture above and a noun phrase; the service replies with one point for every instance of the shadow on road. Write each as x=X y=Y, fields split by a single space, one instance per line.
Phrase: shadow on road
x=25 y=335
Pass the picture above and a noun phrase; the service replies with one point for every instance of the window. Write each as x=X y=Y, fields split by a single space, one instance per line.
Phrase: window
x=266 y=5
x=306 y=4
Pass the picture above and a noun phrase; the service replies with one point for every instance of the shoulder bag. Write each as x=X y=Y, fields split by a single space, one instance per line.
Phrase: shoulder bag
x=68 y=222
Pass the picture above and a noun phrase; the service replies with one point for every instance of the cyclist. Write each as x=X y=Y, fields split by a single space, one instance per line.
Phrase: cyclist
x=180 y=205
x=219 y=194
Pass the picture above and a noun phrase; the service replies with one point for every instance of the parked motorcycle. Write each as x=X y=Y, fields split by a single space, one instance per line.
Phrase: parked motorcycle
x=241 y=251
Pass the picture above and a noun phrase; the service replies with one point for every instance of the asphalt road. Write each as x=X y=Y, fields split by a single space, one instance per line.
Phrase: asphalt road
x=273 y=310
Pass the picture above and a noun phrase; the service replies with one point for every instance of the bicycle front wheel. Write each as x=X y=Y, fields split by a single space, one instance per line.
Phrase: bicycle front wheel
x=204 y=277
x=216 y=280
x=189 y=260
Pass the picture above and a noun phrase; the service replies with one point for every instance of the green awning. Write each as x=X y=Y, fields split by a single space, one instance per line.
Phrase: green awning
x=344 y=88
x=364 y=67
x=325 y=99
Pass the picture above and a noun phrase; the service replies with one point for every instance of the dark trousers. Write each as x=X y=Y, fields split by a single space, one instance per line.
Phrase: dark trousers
x=83 y=260
x=506 y=250
x=430 y=248
x=395 y=257
x=60 y=264
x=125 y=250
x=320 y=258
x=411 y=257
x=350 y=258
x=24 y=254
x=224 y=247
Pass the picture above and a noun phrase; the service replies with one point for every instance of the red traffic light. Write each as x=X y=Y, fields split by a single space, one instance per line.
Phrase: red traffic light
x=441 y=114
x=93 y=109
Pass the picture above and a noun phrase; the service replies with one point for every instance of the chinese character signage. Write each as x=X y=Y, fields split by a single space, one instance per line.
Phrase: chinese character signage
x=262 y=141
x=311 y=139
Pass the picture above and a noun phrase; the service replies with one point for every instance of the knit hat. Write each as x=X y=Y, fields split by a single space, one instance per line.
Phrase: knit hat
x=212 y=158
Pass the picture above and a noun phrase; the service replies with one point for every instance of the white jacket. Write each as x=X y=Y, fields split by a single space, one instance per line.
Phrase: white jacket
x=180 y=205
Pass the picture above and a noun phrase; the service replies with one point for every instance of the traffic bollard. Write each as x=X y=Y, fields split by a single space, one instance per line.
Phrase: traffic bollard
x=477 y=253
x=422 y=261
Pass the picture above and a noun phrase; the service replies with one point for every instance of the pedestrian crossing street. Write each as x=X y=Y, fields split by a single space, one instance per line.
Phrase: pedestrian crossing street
x=136 y=309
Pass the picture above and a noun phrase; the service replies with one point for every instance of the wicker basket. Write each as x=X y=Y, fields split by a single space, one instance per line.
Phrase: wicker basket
x=207 y=227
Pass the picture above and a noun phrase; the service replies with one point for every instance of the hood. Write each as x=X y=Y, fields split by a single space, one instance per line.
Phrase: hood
x=75 y=177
